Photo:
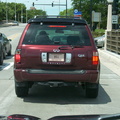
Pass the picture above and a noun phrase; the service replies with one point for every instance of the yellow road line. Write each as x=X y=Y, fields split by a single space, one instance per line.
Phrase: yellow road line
x=12 y=37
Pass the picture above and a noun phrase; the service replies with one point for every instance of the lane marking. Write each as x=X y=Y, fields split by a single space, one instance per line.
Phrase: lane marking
x=6 y=66
x=7 y=99
x=10 y=65
x=14 y=36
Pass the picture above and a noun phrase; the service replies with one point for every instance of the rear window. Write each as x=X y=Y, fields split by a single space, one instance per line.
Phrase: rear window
x=57 y=35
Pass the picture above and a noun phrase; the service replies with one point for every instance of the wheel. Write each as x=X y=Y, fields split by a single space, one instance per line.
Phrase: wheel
x=1 y=59
x=4 y=54
x=21 y=91
x=9 y=53
x=91 y=90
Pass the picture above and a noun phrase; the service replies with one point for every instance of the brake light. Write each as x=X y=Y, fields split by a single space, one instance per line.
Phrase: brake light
x=17 y=56
x=61 y=26
x=95 y=58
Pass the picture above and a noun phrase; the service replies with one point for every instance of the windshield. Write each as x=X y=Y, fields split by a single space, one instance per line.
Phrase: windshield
x=57 y=35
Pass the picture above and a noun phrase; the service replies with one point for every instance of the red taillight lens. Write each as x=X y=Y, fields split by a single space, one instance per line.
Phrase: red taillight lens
x=17 y=56
x=95 y=58
x=60 y=26
x=17 y=117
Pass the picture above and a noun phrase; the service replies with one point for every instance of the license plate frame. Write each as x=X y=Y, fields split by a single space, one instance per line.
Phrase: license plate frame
x=56 y=57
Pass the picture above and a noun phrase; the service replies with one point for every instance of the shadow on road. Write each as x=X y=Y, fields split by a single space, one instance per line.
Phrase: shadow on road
x=9 y=57
x=64 y=95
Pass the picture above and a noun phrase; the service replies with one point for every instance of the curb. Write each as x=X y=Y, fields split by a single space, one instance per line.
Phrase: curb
x=109 y=56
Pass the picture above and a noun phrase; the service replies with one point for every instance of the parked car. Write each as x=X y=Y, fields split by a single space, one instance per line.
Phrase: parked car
x=6 y=46
x=100 y=41
x=1 y=54
x=13 y=23
x=56 y=52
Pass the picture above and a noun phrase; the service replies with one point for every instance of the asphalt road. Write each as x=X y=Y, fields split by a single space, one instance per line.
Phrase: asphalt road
x=45 y=102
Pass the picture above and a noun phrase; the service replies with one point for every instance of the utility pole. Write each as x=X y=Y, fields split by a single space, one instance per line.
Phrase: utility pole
x=21 y=14
x=91 y=2
x=15 y=10
x=6 y=12
x=66 y=8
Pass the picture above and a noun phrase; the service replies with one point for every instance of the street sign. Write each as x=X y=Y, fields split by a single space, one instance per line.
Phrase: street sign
x=96 y=17
x=114 y=19
x=77 y=13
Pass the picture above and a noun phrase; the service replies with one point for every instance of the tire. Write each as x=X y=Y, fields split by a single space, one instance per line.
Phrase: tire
x=91 y=90
x=21 y=91
x=4 y=54
x=1 y=59
x=9 y=53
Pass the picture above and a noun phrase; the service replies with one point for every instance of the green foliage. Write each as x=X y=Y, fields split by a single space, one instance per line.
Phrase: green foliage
x=10 y=8
x=97 y=5
x=98 y=32
x=69 y=12
x=32 y=13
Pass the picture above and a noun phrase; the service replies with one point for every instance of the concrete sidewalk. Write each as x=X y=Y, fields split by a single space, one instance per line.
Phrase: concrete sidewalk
x=110 y=60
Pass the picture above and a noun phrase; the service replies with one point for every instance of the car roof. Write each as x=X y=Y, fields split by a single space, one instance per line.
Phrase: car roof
x=57 y=20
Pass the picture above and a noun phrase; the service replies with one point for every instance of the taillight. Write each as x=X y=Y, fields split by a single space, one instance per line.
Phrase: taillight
x=60 y=26
x=17 y=56
x=95 y=58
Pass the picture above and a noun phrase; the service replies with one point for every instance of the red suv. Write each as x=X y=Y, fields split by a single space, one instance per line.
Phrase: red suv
x=56 y=52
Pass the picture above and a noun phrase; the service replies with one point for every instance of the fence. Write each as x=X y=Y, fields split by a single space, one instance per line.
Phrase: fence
x=113 y=41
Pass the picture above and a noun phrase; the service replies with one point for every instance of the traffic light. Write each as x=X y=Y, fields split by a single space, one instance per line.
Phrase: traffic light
x=52 y=4
x=33 y=3
x=115 y=10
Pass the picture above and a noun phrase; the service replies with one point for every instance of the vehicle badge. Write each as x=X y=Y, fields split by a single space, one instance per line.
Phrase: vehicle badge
x=56 y=50
x=81 y=55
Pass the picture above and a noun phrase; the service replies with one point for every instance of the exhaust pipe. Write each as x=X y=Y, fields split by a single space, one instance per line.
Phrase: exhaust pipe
x=56 y=84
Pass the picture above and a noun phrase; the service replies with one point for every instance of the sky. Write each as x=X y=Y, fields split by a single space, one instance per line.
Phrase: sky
x=49 y=9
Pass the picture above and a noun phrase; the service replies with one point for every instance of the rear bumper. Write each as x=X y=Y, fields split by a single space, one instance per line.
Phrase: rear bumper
x=37 y=75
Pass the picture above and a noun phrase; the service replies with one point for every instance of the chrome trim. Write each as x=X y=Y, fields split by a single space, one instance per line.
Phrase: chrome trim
x=68 y=57
x=44 y=57
x=56 y=50
x=81 y=55
x=39 y=71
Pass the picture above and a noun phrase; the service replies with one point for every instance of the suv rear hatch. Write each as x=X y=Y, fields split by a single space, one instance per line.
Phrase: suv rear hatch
x=69 y=47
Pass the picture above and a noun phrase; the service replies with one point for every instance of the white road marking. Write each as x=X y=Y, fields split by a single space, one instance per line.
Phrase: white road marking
x=6 y=99
x=10 y=65
x=6 y=66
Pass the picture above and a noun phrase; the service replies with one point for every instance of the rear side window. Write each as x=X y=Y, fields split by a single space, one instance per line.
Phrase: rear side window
x=57 y=35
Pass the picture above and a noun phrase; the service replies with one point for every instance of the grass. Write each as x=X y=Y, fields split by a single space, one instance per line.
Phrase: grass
x=98 y=32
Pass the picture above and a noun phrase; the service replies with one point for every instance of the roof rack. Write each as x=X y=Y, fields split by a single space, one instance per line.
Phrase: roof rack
x=55 y=16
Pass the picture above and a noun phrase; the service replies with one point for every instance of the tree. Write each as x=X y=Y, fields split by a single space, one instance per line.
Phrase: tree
x=69 y=12
x=97 y=6
x=9 y=10
x=32 y=13
x=2 y=11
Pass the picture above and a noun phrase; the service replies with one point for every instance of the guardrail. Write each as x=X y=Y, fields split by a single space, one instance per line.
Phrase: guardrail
x=113 y=41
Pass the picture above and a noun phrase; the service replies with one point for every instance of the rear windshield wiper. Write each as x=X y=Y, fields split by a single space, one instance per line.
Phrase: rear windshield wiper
x=70 y=47
x=65 y=47
x=77 y=46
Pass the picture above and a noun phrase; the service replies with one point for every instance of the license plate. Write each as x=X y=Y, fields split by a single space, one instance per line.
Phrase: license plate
x=56 y=57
